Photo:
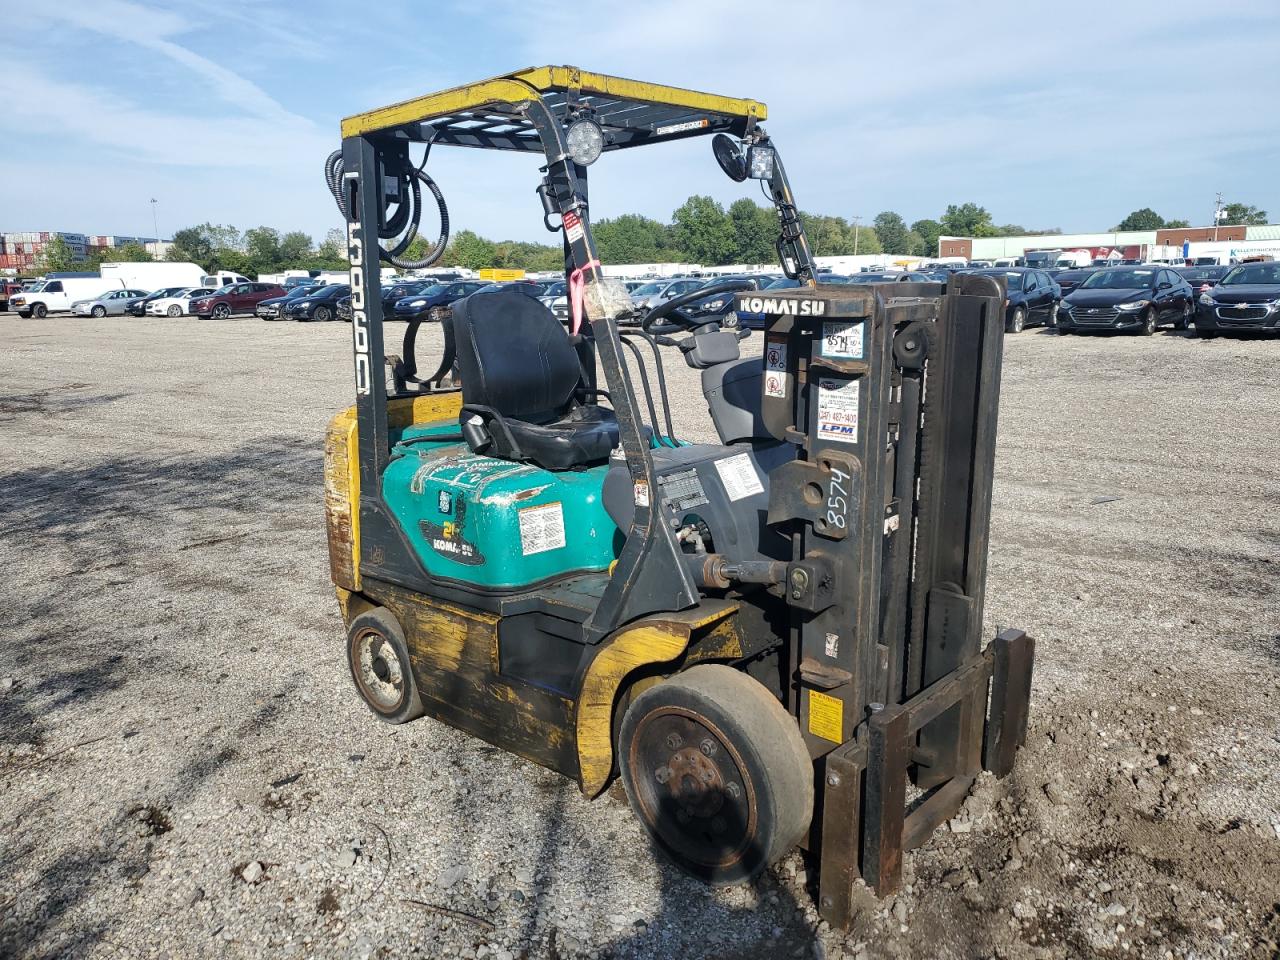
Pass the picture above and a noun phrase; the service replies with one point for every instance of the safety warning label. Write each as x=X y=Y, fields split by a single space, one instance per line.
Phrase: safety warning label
x=842 y=341
x=775 y=368
x=826 y=716
x=738 y=474
x=573 y=227
x=541 y=528
x=838 y=410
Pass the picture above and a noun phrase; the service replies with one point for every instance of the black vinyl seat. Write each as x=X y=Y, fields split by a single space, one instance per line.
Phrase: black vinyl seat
x=520 y=385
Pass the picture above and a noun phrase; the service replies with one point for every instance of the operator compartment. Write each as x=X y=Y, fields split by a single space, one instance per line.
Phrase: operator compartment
x=496 y=525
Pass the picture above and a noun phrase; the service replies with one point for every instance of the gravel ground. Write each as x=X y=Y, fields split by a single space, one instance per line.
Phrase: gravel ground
x=186 y=771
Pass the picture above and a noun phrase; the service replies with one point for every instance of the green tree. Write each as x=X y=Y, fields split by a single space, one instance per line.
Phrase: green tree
x=893 y=233
x=1144 y=219
x=702 y=231
x=334 y=246
x=191 y=244
x=469 y=249
x=295 y=249
x=1176 y=224
x=1237 y=213
x=57 y=256
x=755 y=231
x=928 y=231
x=262 y=247
x=631 y=238
x=967 y=220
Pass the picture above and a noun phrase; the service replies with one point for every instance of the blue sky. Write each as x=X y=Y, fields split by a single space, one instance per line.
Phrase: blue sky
x=1066 y=115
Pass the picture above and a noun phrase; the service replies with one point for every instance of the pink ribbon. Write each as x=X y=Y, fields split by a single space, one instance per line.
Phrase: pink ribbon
x=577 y=293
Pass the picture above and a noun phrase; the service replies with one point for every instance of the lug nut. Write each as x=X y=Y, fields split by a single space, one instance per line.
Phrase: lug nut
x=708 y=748
x=833 y=780
x=662 y=774
x=735 y=791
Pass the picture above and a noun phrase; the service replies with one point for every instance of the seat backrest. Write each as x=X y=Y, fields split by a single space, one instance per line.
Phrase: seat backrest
x=514 y=356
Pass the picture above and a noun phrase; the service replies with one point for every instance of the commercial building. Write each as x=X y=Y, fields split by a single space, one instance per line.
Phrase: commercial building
x=1172 y=243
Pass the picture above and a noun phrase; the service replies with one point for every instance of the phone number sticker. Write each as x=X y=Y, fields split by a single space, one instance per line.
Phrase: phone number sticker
x=842 y=340
x=838 y=410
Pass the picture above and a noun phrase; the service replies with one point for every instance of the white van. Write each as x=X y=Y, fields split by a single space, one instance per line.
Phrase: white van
x=52 y=296
x=221 y=279
x=156 y=275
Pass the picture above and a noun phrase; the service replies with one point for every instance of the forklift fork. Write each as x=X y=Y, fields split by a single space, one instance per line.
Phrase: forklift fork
x=864 y=784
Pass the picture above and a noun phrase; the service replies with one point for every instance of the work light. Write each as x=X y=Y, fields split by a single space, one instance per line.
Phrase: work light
x=585 y=140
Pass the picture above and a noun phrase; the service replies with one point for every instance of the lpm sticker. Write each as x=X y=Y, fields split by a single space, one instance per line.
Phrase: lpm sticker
x=826 y=716
x=838 y=410
x=842 y=341
x=738 y=474
x=541 y=528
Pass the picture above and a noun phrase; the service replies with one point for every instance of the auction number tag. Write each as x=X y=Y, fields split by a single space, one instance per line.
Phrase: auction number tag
x=842 y=340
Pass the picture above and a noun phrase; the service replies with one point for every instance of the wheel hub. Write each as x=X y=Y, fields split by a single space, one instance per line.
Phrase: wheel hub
x=692 y=788
x=380 y=674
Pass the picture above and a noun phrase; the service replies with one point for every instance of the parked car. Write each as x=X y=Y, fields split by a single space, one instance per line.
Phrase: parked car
x=557 y=288
x=1203 y=279
x=1247 y=298
x=7 y=289
x=320 y=305
x=138 y=306
x=720 y=305
x=649 y=295
x=899 y=276
x=292 y=282
x=114 y=302
x=418 y=305
x=177 y=305
x=756 y=321
x=1138 y=298
x=1032 y=297
x=1068 y=280
x=234 y=298
x=273 y=307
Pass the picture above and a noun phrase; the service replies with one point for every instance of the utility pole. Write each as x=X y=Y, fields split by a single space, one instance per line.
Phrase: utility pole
x=155 y=224
x=855 y=220
x=1217 y=216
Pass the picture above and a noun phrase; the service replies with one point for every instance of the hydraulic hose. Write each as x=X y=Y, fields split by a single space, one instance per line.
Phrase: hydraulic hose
x=406 y=215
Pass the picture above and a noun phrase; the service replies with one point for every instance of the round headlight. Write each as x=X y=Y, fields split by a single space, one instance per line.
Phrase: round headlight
x=585 y=141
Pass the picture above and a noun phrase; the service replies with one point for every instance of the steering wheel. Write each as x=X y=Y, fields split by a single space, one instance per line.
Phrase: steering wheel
x=668 y=317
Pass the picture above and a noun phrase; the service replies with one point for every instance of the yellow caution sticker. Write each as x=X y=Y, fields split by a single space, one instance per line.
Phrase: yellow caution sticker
x=826 y=716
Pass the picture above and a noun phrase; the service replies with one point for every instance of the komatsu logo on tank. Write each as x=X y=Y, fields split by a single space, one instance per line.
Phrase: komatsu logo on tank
x=779 y=306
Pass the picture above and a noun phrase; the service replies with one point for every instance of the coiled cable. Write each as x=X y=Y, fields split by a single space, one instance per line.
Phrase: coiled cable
x=406 y=215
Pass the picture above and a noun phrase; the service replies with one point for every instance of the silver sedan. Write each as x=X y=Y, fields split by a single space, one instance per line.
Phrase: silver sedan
x=111 y=302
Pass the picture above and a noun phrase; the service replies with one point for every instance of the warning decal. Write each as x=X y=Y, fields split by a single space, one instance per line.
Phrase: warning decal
x=541 y=528
x=775 y=368
x=738 y=474
x=838 y=410
x=572 y=227
x=842 y=340
x=826 y=716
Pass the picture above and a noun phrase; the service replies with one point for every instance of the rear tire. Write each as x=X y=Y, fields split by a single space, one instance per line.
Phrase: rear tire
x=1184 y=323
x=1017 y=321
x=378 y=658
x=1052 y=322
x=717 y=772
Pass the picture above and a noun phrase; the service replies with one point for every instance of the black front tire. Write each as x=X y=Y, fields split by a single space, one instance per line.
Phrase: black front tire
x=220 y=312
x=1150 y=320
x=378 y=658
x=322 y=315
x=717 y=772
x=40 y=311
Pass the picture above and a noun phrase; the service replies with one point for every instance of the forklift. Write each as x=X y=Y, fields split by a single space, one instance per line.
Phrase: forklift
x=775 y=639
